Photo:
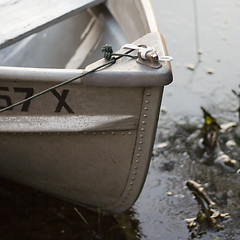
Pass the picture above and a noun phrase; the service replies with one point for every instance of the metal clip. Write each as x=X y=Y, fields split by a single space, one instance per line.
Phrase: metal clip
x=148 y=55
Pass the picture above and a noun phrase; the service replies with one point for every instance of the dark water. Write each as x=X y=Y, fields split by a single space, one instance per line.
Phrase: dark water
x=203 y=35
x=203 y=38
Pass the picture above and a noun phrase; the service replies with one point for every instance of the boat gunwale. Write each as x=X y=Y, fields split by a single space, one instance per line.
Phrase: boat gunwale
x=124 y=77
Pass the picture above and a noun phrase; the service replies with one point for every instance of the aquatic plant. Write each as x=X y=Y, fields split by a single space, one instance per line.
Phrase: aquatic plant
x=209 y=131
x=207 y=216
x=238 y=96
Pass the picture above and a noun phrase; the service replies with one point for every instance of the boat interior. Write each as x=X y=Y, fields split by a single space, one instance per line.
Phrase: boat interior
x=76 y=41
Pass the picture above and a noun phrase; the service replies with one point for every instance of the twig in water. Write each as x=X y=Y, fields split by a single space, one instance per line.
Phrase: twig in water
x=195 y=10
x=238 y=96
x=207 y=217
x=81 y=216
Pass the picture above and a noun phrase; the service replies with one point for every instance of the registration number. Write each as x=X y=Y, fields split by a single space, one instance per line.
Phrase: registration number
x=6 y=100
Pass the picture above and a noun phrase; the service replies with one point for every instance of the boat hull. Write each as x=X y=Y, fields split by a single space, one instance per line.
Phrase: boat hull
x=89 y=141
x=99 y=160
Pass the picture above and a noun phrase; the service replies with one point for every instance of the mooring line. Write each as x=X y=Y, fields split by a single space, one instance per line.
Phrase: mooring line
x=108 y=55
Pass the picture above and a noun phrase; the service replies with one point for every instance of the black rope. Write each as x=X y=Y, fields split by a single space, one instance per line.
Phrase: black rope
x=108 y=54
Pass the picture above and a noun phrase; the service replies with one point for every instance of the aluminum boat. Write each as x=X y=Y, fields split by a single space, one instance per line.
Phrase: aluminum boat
x=88 y=139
